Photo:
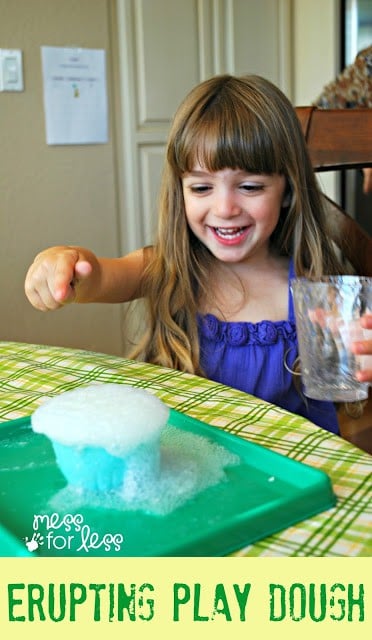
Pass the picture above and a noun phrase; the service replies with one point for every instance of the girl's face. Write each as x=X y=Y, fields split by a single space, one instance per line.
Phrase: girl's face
x=233 y=212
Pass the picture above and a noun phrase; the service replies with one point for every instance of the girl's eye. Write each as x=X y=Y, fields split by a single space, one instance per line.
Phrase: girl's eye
x=199 y=188
x=252 y=187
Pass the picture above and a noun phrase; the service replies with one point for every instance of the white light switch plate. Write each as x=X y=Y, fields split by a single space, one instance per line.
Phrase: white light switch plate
x=11 y=71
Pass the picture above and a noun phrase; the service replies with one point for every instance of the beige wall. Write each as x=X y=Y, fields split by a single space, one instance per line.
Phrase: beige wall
x=53 y=194
x=316 y=43
x=316 y=36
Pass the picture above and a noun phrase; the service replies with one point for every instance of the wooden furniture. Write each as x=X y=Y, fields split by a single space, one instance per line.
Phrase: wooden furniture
x=340 y=139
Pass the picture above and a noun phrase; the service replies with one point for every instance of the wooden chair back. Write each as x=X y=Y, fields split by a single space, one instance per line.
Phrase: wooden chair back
x=341 y=139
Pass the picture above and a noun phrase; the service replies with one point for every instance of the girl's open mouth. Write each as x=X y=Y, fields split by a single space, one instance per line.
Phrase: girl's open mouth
x=230 y=235
x=229 y=232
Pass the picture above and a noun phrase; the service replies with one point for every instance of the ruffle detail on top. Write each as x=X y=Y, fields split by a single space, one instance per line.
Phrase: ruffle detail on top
x=241 y=333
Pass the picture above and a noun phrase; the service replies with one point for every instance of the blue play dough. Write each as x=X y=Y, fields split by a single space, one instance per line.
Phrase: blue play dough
x=90 y=468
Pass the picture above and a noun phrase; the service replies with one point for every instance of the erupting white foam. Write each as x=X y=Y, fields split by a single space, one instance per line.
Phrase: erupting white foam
x=163 y=466
x=116 y=417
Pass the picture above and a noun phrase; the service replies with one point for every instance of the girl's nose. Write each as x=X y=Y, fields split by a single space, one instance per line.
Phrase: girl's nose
x=227 y=204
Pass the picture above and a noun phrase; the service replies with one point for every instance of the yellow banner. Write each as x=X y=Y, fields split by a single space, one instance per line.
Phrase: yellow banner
x=191 y=598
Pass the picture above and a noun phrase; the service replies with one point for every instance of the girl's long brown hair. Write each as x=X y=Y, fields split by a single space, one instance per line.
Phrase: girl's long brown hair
x=226 y=121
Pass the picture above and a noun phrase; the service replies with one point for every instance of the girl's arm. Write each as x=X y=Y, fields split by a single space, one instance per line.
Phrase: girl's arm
x=60 y=275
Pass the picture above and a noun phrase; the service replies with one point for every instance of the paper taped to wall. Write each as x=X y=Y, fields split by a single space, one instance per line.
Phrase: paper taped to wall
x=75 y=95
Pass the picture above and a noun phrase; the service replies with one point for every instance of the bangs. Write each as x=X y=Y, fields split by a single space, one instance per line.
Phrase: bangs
x=226 y=133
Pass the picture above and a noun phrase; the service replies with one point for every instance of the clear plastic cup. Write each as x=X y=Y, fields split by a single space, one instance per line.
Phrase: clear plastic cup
x=328 y=313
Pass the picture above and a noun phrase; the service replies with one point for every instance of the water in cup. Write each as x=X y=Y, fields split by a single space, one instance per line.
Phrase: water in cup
x=328 y=313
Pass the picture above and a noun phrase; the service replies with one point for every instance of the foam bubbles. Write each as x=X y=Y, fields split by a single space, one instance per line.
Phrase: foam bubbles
x=189 y=464
x=162 y=466
x=116 y=417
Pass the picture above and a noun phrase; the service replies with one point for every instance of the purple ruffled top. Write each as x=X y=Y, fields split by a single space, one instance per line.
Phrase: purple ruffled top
x=258 y=358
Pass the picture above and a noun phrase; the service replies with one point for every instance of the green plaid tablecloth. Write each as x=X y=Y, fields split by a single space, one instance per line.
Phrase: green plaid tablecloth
x=30 y=373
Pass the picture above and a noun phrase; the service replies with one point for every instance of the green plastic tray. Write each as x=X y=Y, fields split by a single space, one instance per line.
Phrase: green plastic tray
x=264 y=494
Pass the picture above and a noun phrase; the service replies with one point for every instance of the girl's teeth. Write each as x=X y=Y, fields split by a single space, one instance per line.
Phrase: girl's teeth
x=229 y=233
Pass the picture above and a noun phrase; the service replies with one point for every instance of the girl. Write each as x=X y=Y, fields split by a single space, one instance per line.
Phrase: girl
x=240 y=215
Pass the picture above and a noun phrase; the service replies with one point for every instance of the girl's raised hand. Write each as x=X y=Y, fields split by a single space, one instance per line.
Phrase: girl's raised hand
x=57 y=275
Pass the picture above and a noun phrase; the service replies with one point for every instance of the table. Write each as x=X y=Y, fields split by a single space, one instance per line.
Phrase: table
x=29 y=373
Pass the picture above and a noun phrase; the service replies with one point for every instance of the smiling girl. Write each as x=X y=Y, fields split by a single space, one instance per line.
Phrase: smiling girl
x=240 y=214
